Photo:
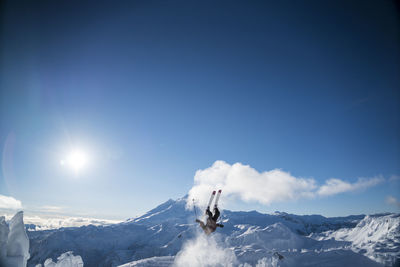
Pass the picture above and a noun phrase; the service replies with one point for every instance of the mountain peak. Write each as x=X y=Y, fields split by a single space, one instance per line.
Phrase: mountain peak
x=167 y=211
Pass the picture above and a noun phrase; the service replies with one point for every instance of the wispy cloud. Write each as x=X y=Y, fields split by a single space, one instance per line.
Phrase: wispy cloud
x=249 y=185
x=9 y=203
x=392 y=201
x=51 y=209
x=335 y=186
x=394 y=178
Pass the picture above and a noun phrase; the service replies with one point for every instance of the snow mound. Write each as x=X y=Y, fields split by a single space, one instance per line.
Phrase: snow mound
x=14 y=242
x=66 y=259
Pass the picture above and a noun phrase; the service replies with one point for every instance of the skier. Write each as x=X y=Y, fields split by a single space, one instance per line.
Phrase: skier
x=211 y=224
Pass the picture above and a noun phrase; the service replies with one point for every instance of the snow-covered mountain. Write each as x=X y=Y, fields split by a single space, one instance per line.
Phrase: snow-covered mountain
x=167 y=235
x=376 y=236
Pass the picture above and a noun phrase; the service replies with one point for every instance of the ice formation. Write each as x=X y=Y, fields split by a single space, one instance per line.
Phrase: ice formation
x=14 y=242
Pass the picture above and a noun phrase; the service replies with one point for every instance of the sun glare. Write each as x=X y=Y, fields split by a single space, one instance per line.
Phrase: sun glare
x=77 y=160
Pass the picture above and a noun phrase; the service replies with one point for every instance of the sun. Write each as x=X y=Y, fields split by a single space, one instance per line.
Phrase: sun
x=77 y=160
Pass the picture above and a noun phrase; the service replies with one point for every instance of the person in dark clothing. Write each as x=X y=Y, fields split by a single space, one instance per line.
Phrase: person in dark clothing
x=211 y=224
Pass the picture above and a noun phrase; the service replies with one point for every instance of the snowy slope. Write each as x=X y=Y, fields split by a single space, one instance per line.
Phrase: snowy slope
x=377 y=237
x=160 y=234
x=302 y=225
x=153 y=234
x=278 y=245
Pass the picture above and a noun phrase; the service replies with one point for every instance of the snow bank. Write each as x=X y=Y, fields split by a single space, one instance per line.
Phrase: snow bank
x=14 y=242
x=66 y=259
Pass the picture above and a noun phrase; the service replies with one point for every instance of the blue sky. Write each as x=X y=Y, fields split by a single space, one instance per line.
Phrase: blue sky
x=154 y=90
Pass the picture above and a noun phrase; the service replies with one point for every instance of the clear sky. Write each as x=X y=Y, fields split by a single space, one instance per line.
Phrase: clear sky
x=152 y=91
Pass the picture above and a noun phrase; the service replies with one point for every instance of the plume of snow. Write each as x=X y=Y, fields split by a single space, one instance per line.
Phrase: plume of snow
x=9 y=203
x=267 y=262
x=204 y=251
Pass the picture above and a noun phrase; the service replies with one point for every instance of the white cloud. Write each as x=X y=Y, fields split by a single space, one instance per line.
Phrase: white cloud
x=54 y=222
x=247 y=184
x=394 y=178
x=335 y=186
x=51 y=208
x=392 y=201
x=9 y=203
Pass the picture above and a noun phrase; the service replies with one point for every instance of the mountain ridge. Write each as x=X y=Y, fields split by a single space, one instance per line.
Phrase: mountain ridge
x=164 y=231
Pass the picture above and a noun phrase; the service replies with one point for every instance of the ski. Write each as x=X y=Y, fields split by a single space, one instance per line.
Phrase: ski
x=211 y=199
x=216 y=200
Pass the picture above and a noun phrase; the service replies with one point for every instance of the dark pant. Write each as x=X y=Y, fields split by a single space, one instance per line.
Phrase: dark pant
x=211 y=216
